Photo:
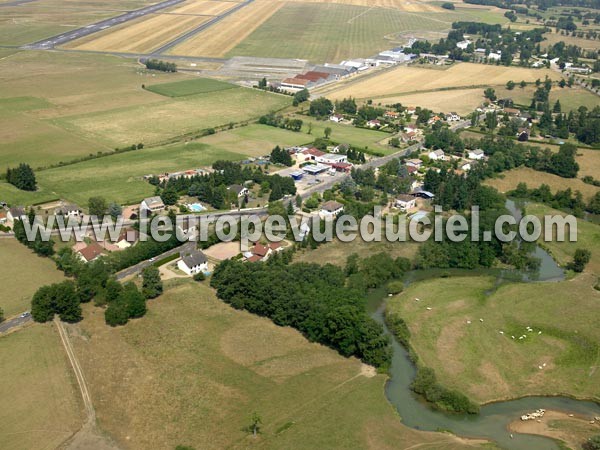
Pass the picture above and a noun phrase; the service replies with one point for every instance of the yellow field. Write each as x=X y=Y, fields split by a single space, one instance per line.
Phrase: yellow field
x=204 y=7
x=225 y=35
x=535 y=179
x=141 y=36
x=402 y=5
x=462 y=101
x=589 y=163
x=411 y=80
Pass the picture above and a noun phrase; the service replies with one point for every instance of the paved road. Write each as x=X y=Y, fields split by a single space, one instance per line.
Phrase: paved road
x=61 y=39
x=200 y=28
x=8 y=325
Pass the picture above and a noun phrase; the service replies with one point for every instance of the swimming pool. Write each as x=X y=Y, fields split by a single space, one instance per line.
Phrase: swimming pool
x=196 y=207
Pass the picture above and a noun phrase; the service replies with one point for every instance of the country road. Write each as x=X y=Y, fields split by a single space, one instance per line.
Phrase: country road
x=15 y=322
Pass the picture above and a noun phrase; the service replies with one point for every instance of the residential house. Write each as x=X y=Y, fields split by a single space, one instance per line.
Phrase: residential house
x=337 y=118
x=523 y=134
x=463 y=44
x=331 y=209
x=330 y=158
x=417 y=163
x=476 y=154
x=90 y=252
x=437 y=155
x=16 y=213
x=193 y=262
x=3 y=217
x=411 y=170
x=69 y=210
x=411 y=110
x=405 y=202
x=433 y=120
x=310 y=154
x=152 y=204
x=239 y=190
x=512 y=111
x=373 y=123
x=464 y=166
x=127 y=238
x=453 y=117
x=494 y=56
x=392 y=115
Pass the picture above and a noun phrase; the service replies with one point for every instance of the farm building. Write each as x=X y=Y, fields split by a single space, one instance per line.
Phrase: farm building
x=476 y=154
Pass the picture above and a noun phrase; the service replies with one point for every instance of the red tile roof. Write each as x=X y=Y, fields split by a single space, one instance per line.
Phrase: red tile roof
x=91 y=252
x=255 y=258
x=295 y=81
x=313 y=76
x=260 y=250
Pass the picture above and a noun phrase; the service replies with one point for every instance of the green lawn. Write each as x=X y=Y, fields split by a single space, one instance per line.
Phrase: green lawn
x=486 y=365
x=120 y=177
x=323 y=32
x=348 y=134
x=190 y=87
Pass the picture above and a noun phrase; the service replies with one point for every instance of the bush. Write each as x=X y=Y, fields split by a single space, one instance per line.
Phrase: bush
x=199 y=277
x=395 y=287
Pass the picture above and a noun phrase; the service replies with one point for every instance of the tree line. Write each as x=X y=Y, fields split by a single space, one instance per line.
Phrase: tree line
x=163 y=66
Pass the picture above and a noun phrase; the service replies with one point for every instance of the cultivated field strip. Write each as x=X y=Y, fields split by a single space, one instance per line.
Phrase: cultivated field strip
x=226 y=34
x=203 y=7
x=400 y=5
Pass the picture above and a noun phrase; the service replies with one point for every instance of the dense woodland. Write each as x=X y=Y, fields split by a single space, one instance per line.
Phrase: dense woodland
x=22 y=177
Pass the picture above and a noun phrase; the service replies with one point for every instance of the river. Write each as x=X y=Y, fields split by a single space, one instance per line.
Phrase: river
x=493 y=420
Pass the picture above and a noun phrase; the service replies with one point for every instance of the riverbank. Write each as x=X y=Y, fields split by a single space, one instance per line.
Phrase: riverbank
x=571 y=429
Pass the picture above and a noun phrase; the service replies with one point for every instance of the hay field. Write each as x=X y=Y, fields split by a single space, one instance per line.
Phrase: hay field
x=220 y=38
x=570 y=98
x=400 y=5
x=510 y=179
x=41 y=405
x=18 y=286
x=202 y=7
x=193 y=370
x=553 y=37
x=140 y=36
x=486 y=365
x=411 y=80
x=589 y=162
x=462 y=101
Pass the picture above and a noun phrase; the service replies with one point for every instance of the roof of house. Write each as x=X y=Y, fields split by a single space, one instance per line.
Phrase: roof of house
x=237 y=188
x=153 y=202
x=69 y=208
x=313 y=151
x=129 y=235
x=255 y=258
x=341 y=165
x=312 y=76
x=17 y=211
x=411 y=169
x=438 y=152
x=477 y=151
x=331 y=206
x=295 y=81
x=2 y=215
x=193 y=259
x=512 y=110
x=405 y=198
x=274 y=245
x=91 y=251
x=414 y=161
x=260 y=250
x=374 y=122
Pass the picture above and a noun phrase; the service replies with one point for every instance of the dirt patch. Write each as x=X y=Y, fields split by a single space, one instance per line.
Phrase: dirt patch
x=224 y=250
x=368 y=371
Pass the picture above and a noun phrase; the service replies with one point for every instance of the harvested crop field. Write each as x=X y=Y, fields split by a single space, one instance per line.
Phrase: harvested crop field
x=411 y=80
x=463 y=101
x=400 y=5
x=140 y=36
x=203 y=7
x=223 y=36
x=534 y=179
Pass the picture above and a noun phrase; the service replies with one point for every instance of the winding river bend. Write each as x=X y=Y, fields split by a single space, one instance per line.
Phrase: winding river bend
x=493 y=420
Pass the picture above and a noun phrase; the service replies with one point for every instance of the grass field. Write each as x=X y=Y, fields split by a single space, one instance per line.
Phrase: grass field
x=588 y=237
x=412 y=80
x=510 y=179
x=44 y=120
x=196 y=370
x=487 y=365
x=553 y=37
x=348 y=134
x=203 y=7
x=589 y=162
x=570 y=98
x=41 y=404
x=23 y=272
x=189 y=87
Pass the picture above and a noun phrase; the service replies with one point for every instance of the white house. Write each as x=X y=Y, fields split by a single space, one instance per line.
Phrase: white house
x=494 y=56
x=463 y=44
x=414 y=163
x=239 y=190
x=437 y=155
x=71 y=210
x=337 y=118
x=331 y=209
x=127 y=238
x=405 y=202
x=193 y=263
x=373 y=123
x=152 y=204
x=330 y=158
x=453 y=117
x=476 y=154
x=465 y=166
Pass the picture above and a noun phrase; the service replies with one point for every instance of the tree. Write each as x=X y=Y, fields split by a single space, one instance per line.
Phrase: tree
x=152 y=285
x=114 y=210
x=22 y=177
x=199 y=276
x=510 y=85
x=255 y=423
x=448 y=5
x=490 y=94
x=593 y=443
x=299 y=201
x=320 y=107
x=1 y=315
x=491 y=121
x=301 y=96
x=327 y=132
x=522 y=84
x=58 y=298
x=134 y=301
x=116 y=313
x=580 y=260
x=97 y=207
x=395 y=142
x=169 y=196
x=556 y=108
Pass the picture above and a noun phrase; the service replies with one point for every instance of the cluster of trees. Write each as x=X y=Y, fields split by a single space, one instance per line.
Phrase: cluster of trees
x=321 y=107
x=446 y=139
x=313 y=299
x=22 y=177
x=39 y=246
x=124 y=302
x=565 y=200
x=279 y=121
x=163 y=66
x=281 y=156
x=212 y=188
x=393 y=178
x=580 y=260
x=346 y=106
x=301 y=97
x=59 y=298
